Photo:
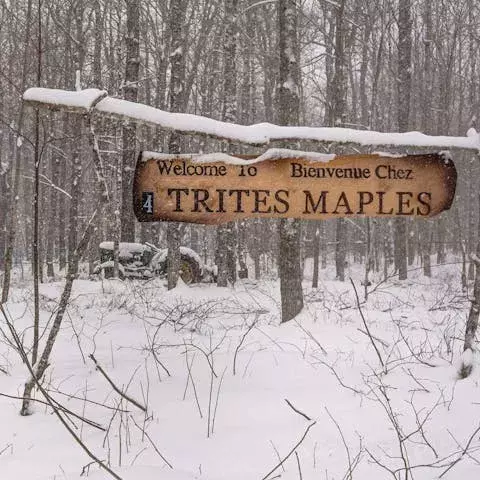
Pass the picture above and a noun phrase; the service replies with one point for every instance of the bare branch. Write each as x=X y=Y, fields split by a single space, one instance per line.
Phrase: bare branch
x=290 y=453
x=120 y=392
x=298 y=411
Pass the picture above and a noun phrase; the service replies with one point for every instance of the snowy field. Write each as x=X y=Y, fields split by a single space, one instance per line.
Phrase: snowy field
x=232 y=395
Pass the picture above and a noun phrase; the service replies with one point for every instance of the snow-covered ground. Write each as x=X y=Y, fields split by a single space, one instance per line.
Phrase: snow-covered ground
x=242 y=390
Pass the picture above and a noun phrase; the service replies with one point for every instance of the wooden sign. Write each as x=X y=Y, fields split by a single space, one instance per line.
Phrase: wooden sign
x=188 y=189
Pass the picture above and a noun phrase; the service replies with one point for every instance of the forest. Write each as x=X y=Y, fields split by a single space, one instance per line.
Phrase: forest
x=128 y=337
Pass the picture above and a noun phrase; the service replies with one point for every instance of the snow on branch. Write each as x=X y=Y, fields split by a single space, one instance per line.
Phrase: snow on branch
x=270 y=154
x=259 y=134
x=64 y=99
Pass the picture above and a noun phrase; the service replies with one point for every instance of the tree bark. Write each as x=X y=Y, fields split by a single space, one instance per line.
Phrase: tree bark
x=176 y=91
x=338 y=118
x=289 y=113
x=316 y=254
x=36 y=200
x=129 y=131
x=13 y=201
x=226 y=233
x=404 y=83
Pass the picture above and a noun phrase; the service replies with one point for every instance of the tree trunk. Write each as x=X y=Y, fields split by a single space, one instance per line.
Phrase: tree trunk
x=36 y=201
x=75 y=190
x=288 y=114
x=338 y=118
x=316 y=255
x=177 y=80
x=404 y=83
x=226 y=237
x=97 y=235
x=427 y=92
x=13 y=201
x=129 y=131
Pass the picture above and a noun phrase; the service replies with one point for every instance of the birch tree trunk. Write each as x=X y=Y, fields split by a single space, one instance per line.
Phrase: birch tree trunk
x=288 y=114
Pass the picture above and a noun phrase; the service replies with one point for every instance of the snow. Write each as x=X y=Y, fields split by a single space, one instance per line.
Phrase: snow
x=270 y=154
x=161 y=256
x=78 y=82
x=108 y=264
x=291 y=85
x=82 y=99
x=467 y=358
x=125 y=249
x=178 y=52
x=259 y=134
x=305 y=361
x=389 y=154
x=277 y=153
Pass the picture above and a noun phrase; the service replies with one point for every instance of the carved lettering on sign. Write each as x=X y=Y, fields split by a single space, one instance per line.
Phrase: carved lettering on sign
x=184 y=189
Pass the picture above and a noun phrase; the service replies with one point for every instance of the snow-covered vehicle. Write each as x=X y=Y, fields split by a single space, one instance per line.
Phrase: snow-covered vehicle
x=144 y=260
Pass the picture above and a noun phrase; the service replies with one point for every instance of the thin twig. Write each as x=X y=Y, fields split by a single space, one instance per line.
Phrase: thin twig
x=366 y=325
x=344 y=443
x=310 y=335
x=239 y=346
x=152 y=443
x=122 y=394
x=61 y=407
x=290 y=453
x=462 y=454
x=299 y=467
x=298 y=411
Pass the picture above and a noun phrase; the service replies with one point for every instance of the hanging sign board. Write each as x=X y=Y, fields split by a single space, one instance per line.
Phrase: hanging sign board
x=217 y=188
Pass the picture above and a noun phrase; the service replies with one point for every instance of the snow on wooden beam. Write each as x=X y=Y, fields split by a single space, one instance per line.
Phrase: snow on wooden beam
x=93 y=100
x=81 y=101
